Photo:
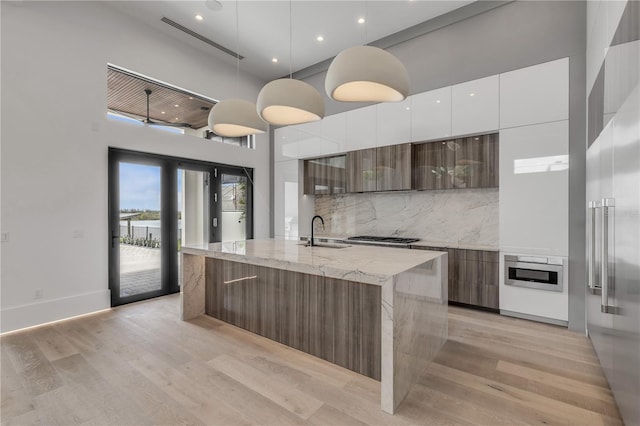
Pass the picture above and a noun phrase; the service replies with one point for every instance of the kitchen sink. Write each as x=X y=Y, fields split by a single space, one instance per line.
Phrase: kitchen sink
x=326 y=245
x=331 y=245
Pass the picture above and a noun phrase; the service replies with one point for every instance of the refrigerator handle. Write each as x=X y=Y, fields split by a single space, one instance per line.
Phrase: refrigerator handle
x=593 y=207
x=607 y=204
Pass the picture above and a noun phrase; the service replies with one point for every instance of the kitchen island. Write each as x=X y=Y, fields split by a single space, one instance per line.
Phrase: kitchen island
x=378 y=311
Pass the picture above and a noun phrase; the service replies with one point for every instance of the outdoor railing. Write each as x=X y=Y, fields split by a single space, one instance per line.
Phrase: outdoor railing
x=144 y=236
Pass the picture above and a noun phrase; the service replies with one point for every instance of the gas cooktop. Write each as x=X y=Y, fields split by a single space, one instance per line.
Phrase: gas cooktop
x=382 y=240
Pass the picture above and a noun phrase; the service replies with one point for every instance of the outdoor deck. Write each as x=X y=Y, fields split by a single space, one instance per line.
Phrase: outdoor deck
x=139 y=269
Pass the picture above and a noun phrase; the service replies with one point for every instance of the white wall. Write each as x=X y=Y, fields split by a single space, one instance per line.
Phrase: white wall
x=55 y=139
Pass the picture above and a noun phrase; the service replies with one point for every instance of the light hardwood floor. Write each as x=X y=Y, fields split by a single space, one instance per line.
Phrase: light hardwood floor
x=139 y=364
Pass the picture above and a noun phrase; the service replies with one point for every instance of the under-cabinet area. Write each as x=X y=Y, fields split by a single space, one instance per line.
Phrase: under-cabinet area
x=470 y=162
x=473 y=276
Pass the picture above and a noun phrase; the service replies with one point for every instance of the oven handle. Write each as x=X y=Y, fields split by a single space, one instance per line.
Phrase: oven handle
x=607 y=204
x=593 y=287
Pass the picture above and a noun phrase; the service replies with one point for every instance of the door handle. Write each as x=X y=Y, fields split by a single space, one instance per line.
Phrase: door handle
x=592 y=210
x=607 y=205
x=113 y=237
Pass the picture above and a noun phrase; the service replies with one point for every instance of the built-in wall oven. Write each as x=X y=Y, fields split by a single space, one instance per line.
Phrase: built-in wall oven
x=543 y=273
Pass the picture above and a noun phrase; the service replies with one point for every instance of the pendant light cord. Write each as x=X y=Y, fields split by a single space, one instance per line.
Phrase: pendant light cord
x=237 y=50
x=290 y=41
x=366 y=20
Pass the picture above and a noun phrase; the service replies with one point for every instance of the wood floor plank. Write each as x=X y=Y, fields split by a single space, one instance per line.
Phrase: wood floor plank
x=458 y=408
x=53 y=344
x=558 y=411
x=303 y=405
x=61 y=407
x=192 y=396
x=543 y=383
x=233 y=393
x=36 y=372
x=563 y=383
x=140 y=365
x=14 y=400
x=327 y=415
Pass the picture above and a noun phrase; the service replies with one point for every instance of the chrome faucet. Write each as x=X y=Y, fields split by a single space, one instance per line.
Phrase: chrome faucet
x=311 y=243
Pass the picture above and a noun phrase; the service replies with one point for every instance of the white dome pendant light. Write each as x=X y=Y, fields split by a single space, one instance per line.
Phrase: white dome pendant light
x=236 y=117
x=366 y=74
x=288 y=101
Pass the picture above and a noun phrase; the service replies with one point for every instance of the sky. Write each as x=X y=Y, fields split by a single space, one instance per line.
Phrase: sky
x=140 y=186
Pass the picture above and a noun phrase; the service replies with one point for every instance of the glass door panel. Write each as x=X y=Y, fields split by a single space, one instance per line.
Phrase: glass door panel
x=159 y=204
x=140 y=240
x=234 y=207
x=193 y=209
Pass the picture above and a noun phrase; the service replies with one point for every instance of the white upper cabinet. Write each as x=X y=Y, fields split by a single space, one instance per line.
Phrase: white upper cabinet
x=286 y=143
x=311 y=128
x=537 y=94
x=334 y=133
x=310 y=140
x=534 y=189
x=361 y=128
x=474 y=106
x=285 y=199
x=431 y=115
x=310 y=144
x=394 y=122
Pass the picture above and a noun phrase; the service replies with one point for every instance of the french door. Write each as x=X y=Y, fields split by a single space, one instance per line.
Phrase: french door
x=158 y=204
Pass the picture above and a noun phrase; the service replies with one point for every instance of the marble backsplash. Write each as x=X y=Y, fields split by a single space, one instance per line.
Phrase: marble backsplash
x=463 y=216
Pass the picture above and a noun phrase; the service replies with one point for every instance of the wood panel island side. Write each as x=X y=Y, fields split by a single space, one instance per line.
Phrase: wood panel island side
x=381 y=312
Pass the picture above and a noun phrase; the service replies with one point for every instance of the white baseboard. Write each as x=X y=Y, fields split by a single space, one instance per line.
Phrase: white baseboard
x=534 y=318
x=17 y=317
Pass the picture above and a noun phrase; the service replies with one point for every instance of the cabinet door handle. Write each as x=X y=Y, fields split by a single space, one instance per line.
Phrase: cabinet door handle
x=592 y=211
x=607 y=205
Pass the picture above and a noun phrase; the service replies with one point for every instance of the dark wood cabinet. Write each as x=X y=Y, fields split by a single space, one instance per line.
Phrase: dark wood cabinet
x=473 y=276
x=470 y=162
x=325 y=175
x=385 y=168
x=361 y=170
x=336 y=320
x=477 y=162
x=433 y=165
x=393 y=167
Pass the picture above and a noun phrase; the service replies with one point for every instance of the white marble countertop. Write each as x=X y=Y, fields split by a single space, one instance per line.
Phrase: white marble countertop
x=421 y=243
x=366 y=264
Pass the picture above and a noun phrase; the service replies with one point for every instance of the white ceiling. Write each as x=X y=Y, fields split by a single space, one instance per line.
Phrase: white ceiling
x=264 y=27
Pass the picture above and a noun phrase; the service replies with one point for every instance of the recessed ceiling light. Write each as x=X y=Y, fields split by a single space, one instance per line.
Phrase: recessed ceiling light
x=177 y=118
x=176 y=105
x=161 y=112
x=190 y=97
x=320 y=38
x=408 y=108
x=199 y=18
x=274 y=60
x=360 y=20
x=472 y=94
x=438 y=101
x=477 y=139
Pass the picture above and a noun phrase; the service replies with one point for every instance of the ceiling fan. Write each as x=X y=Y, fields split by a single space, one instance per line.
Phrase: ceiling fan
x=148 y=120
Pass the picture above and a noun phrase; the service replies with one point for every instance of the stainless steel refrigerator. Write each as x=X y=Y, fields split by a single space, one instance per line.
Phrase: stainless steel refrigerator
x=613 y=225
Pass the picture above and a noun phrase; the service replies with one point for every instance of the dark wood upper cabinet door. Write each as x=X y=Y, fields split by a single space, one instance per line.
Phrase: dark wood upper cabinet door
x=394 y=167
x=433 y=165
x=325 y=175
x=476 y=163
x=361 y=170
